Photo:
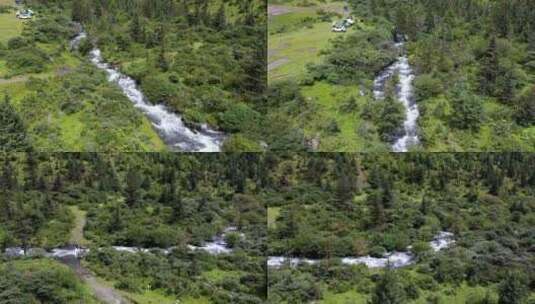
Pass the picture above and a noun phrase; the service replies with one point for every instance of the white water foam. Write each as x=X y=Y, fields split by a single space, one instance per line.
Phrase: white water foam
x=217 y=246
x=396 y=259
x=170 y=126
x=405 y=95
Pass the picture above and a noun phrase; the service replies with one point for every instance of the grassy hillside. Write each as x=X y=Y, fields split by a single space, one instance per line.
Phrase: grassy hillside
x=65 y=104
x=451 y=49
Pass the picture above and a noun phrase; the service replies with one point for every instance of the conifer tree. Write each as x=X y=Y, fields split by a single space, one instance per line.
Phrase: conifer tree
x=389 y=289
x=489 y=67
x=12 y=131
x=220 y=18
x=513 y=289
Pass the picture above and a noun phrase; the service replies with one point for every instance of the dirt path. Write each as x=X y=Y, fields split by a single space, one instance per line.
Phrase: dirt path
x=276 y=10
x=62 y=71
x=277 y=63
x=77 y=234
x=13 y=80
x=103 y=293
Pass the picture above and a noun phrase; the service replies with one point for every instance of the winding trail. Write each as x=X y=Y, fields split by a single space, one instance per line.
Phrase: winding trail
x=102 y=292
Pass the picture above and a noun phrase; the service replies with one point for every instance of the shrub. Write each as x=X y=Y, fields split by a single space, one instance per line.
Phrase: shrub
x=240 y=117
x=85 y=47
x=426 y=87
x=525 y=108
x=158 y=89
x=332 y=127
x=128 y=283
x=467 y=111
x=16 y=43
x=238 y=142
x=377 y=251
x=27 y=60
x=421 y=249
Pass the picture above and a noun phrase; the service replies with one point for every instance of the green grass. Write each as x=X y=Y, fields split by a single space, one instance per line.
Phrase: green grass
x=71 y=131
x=155 y=142
x=351 y=296
x=77 y=234
x=146 y=297
x=272 y=215
x=10 y=26
x=191 y=300
x=216 y=275
x=28 y=266
x=462 y=294
x=439 y=136
x=329 y=98
x=454 y=295
x=296 y=43
x=297 y=48
x=149 y=297
x=3 y=68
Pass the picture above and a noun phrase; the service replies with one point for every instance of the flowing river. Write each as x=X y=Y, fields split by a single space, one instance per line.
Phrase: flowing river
x=169 y=125
x=392 y=259
x=404 y=92
x=216 y=246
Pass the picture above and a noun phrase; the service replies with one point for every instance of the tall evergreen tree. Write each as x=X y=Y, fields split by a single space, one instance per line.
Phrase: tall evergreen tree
x=133 y=183
x=220 y=18
x=389 y=289
x=489 y=67
x=513 y=289
x=12 y=131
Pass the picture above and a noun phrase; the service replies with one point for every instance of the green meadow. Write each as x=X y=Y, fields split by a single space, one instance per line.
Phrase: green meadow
x=299 y=34
x=45 y=83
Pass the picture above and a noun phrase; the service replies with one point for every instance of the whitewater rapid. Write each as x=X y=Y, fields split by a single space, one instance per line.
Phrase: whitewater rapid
x=394 y=259
x=216 y=246
x=169 y=125
x=405 y=95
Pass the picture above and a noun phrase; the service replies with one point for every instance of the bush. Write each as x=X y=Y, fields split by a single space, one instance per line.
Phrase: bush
x=16 y=43
x=27 y=60
x=51 y=29
x=240 y=117
x=128 y=283
x=85 y=47
x=427 y=87
x=467 y=111
x=377 y=251
x=232 y=239
x=525 y=108
x=390 y=121
x=421 y=249
x=238 y=142
x=158 y=88
x=332 y=127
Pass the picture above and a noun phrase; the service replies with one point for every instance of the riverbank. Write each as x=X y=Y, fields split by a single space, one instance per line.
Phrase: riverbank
x=60 y=99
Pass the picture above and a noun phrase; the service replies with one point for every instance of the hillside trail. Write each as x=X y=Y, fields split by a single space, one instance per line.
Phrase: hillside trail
x=13 y=80
x=103 y=293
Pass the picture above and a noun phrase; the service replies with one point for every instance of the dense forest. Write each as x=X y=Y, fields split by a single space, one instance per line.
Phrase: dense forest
x=472 y=62
x=321 y=208
x=145 y=200
x=204 y=60
x=328 y=207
